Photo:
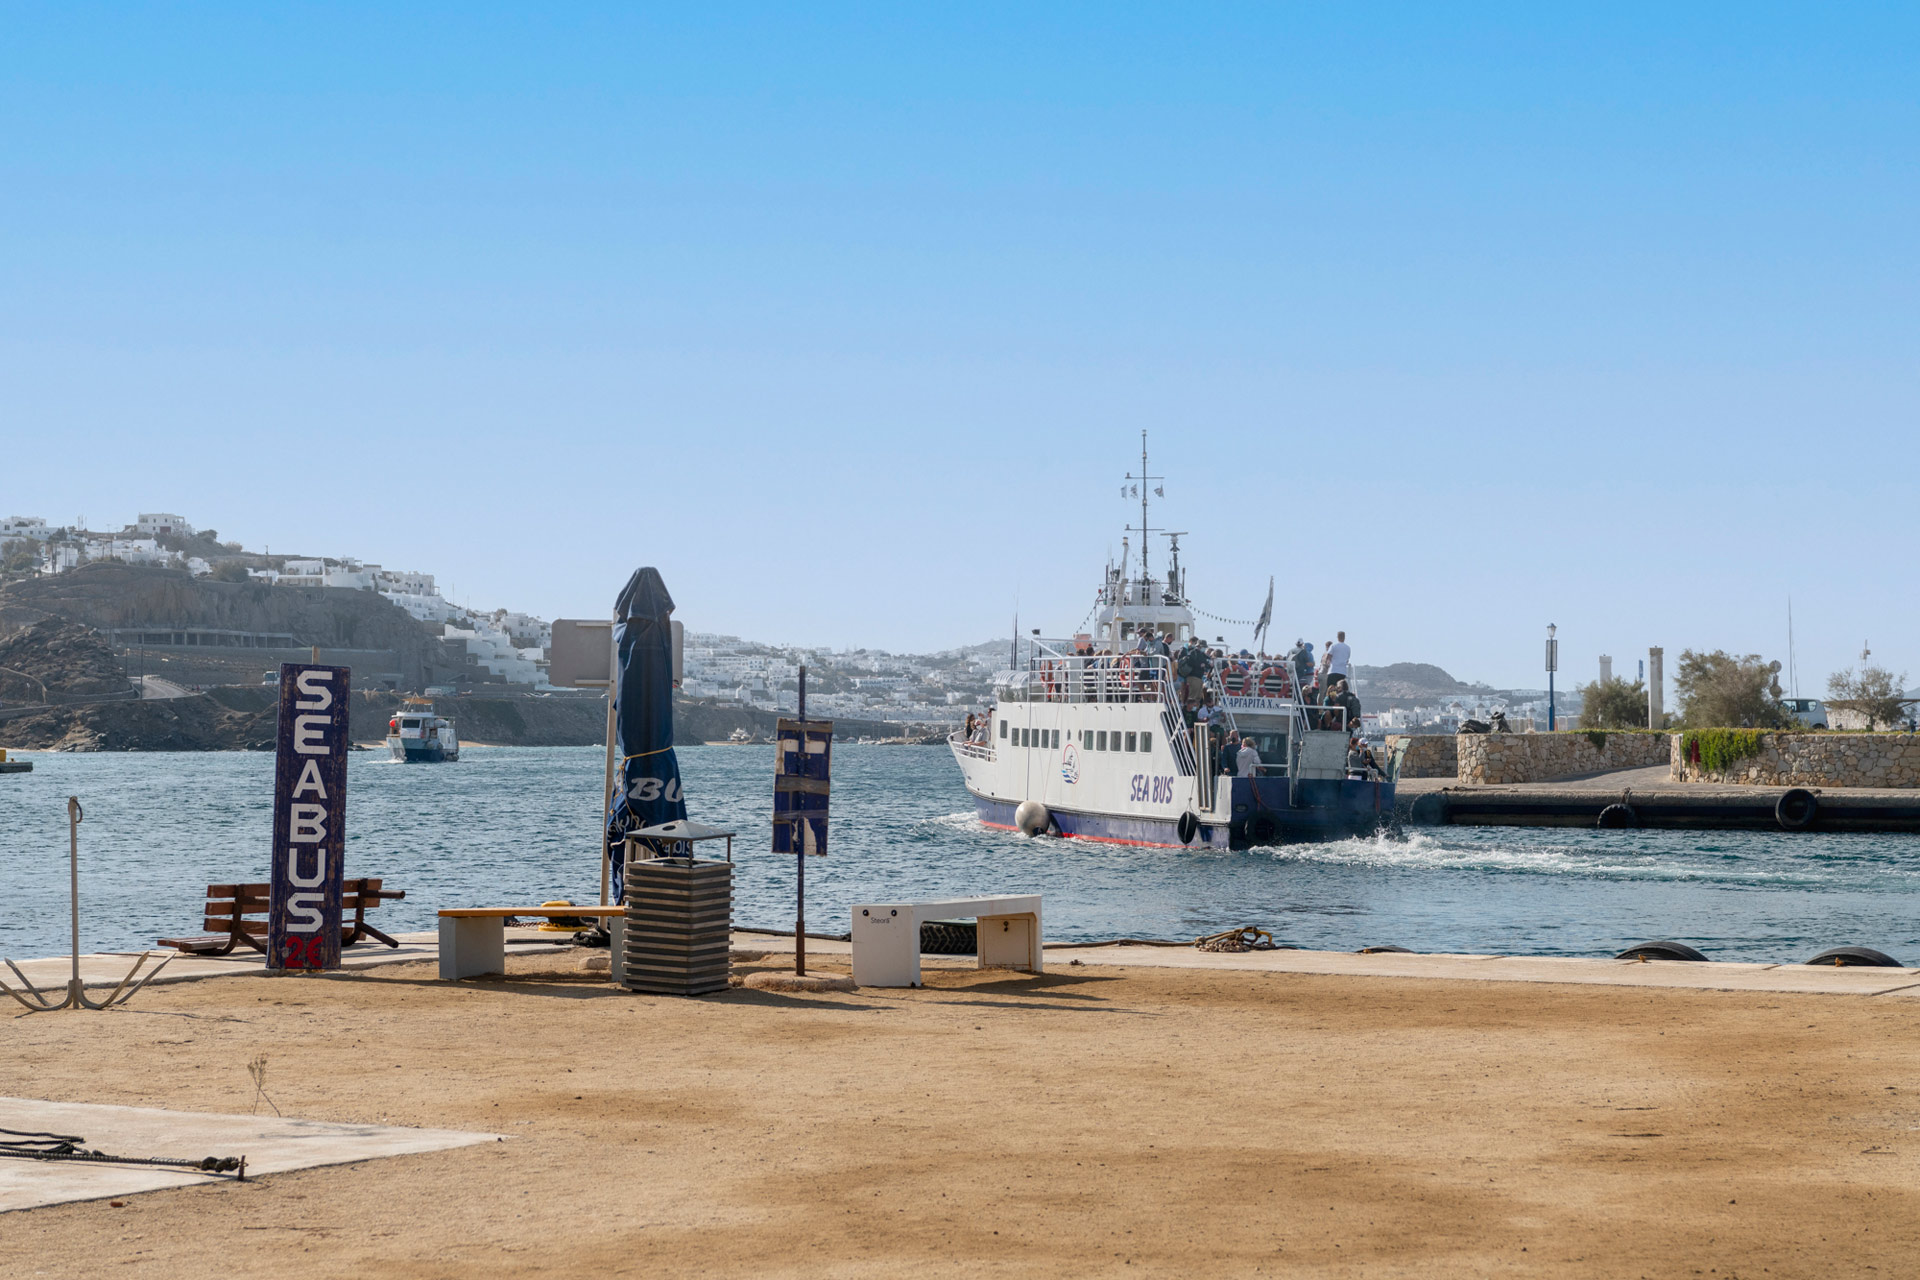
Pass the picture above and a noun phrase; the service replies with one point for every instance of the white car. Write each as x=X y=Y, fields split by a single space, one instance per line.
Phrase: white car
x=1808 y=711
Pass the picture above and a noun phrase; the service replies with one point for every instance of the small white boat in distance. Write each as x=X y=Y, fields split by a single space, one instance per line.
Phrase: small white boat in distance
x=417 y=734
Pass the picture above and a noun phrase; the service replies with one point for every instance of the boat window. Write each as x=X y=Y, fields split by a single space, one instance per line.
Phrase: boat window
x=1086 y=739
x=1103 y=741
x=1133 y=742
x=409 y=724
x=1146 y=742
x=1056 y=739
x=1271 y=746
x=1003 y=729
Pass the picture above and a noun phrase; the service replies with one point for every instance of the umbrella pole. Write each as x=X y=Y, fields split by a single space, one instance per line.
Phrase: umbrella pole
x=606 y=794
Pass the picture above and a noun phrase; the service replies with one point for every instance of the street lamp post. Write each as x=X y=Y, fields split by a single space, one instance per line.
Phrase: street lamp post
x=1553 y=665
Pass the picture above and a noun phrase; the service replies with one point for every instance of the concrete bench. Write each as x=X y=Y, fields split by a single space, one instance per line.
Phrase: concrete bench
x=473 y=940
x=886 y=936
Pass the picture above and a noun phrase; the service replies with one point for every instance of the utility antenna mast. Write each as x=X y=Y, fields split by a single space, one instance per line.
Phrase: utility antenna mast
x=1793 y=672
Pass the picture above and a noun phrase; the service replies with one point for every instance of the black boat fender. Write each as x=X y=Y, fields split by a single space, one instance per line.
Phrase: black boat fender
x=1660 y=951
x=1261 y=828
x=1796 y=809
x=1617 y=816
x=1848 y=956
x=1188 y=827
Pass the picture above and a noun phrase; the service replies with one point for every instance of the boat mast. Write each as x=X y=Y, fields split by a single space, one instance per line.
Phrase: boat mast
x=1146 y=489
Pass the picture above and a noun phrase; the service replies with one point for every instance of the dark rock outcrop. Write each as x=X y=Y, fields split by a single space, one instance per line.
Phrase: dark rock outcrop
x=56 y=660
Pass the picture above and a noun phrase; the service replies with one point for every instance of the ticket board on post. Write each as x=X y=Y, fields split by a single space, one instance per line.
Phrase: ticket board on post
x=802 y=774
x=309 y=818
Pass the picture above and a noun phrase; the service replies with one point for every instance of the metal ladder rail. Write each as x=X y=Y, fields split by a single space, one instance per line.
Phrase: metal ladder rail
x=1173 y=721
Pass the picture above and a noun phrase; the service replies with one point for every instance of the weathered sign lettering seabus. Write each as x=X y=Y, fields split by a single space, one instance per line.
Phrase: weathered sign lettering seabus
x=309 y=818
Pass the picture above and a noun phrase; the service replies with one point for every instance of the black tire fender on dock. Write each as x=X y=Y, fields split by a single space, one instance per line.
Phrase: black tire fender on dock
x=1662 y=950
x=1381 y=951
x=948 y=937
x=1850 y=956
x=1796 y=809
x=1261 y=828
x=1188 y=827
x=1616 y=817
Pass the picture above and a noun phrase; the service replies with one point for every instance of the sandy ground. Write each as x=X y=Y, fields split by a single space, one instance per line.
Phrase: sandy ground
x=1094 y=1121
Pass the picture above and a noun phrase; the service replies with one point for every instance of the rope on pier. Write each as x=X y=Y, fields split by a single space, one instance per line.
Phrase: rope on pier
x=1245 y=938
x=30 y=1145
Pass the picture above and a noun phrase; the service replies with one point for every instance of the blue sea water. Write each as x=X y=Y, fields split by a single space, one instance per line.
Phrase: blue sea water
x=511 y=825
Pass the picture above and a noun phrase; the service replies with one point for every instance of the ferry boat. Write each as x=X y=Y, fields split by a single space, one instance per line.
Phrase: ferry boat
x=1087 y=738
x=418 y=735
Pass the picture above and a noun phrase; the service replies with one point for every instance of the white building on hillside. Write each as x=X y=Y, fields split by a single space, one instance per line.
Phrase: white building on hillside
x=405 y=583
x=15 y=528
x=494 y=649
x=153 y=524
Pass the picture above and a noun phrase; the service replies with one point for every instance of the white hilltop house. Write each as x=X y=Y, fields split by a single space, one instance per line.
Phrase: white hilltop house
x=417 y=594
x=348 y=575
x=494 y=649
x=153 y=524
x=29 y=528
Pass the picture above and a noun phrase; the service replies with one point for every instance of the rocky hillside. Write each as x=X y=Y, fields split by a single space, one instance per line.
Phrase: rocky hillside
x=1412 y=681
x=108 y=595
x=56 y=660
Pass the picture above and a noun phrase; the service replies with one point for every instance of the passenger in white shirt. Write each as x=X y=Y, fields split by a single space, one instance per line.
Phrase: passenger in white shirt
x=1248 y=759
x=1338 y=655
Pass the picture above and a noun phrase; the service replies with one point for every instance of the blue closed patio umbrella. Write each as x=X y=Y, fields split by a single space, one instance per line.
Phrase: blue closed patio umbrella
x=646 y=782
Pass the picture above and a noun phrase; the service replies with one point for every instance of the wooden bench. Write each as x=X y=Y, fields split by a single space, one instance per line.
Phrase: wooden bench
x=473 y=940
x=229 y=907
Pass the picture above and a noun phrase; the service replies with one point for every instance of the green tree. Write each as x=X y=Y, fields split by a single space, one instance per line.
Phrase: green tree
x=1874 y=693
x=230 y=571
x=19 y=555
x=1720 y=691
x=1613 y=704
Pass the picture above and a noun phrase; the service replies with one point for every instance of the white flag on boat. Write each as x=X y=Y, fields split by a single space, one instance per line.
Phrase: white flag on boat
x=1266 y=615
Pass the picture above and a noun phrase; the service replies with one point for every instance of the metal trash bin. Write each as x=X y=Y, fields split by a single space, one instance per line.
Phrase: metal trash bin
x=678 y=927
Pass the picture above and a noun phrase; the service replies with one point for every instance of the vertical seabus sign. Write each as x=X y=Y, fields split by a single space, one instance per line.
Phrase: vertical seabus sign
x=309 y=818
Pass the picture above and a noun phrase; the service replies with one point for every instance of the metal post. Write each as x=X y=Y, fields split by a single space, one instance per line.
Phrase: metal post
x=1553 y=665
x=800 y=853
x=73 y=887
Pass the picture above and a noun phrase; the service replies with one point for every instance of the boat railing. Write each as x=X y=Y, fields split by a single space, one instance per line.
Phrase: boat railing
x=1254 y=678
x=1095 y=677
x=959 y=741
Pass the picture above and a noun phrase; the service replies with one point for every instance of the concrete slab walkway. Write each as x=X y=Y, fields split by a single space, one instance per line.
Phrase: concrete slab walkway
x=1708 y=976
x=1720 y=975
x=271 y=1144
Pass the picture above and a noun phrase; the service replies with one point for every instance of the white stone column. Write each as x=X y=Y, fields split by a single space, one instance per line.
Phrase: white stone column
x=1656 y=708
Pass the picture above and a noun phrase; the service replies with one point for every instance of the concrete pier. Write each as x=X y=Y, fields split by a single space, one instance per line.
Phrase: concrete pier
x=1655 y=802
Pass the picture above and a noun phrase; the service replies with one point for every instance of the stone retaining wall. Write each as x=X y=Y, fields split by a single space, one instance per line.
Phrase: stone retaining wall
x=1429 y=755
x=1815 y=760
x=1540 y=757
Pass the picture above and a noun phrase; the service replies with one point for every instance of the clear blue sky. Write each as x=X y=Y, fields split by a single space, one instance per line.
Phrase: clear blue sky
x=1458 y=321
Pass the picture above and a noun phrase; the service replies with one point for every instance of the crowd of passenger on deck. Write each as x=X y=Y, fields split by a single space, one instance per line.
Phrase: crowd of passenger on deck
x=1324 y=688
